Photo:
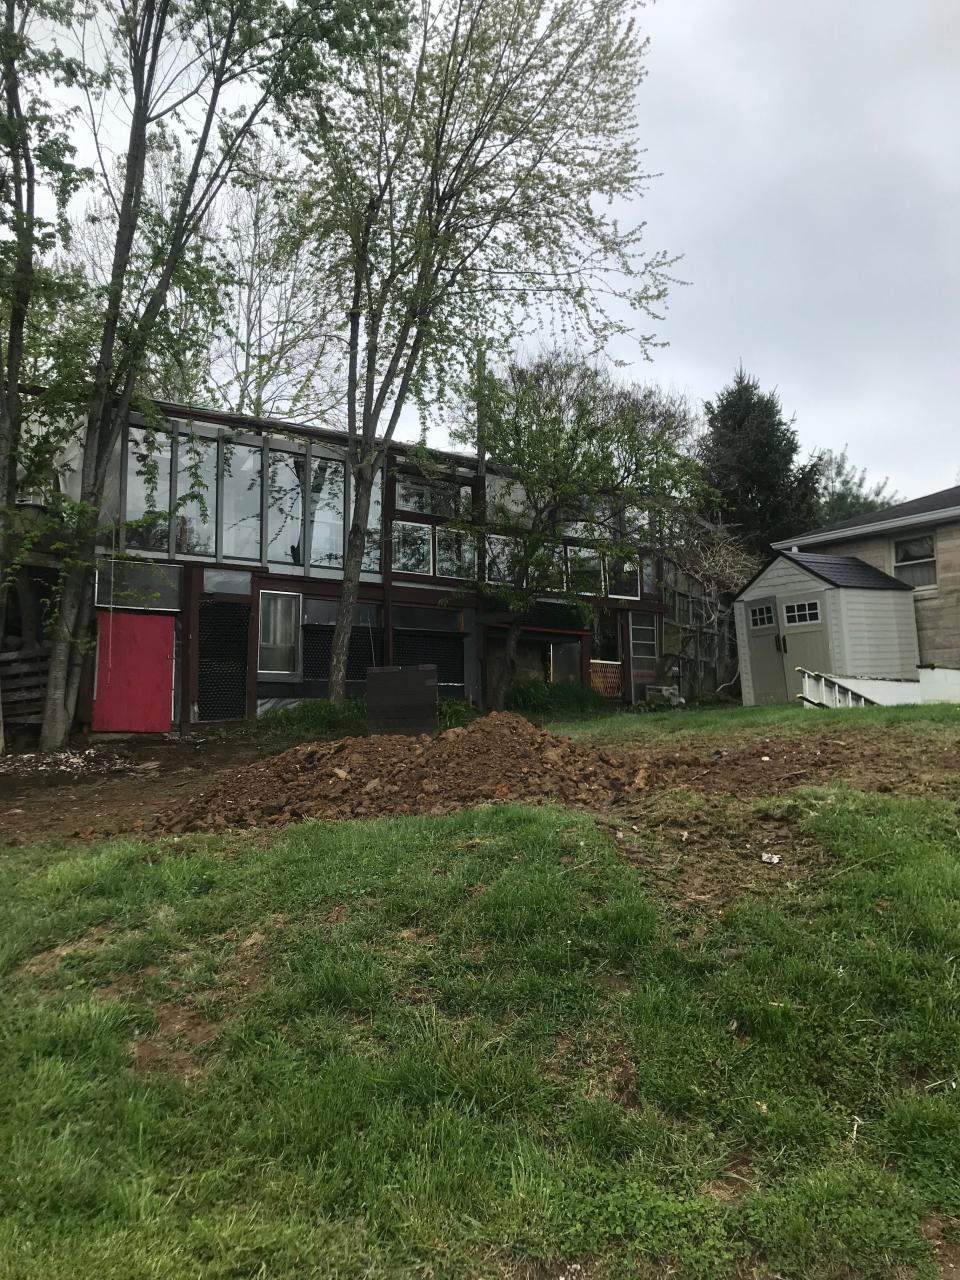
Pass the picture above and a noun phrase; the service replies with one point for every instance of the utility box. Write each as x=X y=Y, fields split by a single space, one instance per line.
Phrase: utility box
x=402 y=699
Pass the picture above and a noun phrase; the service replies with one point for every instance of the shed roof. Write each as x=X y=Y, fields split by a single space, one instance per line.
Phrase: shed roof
x=838 y=571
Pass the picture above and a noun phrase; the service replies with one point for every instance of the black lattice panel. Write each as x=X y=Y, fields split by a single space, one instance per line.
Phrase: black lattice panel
x=413 y=647
x=366 y=650
x=224 y=632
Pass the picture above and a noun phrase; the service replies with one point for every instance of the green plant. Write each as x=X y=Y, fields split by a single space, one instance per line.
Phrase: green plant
x=537 y=697
x=313 y=720
x=454 y=713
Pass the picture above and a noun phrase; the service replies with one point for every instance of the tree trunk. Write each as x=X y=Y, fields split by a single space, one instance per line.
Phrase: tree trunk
x=350 y=587
x=509 y=672
x=58 y=708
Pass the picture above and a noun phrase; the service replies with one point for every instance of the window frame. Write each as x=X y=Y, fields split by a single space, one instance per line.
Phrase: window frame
x=807 y=606
x=288 y=674
x=932 y=559
x=768 y=620
x=428 y=530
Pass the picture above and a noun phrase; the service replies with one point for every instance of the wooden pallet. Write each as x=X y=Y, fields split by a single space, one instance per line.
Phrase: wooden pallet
x=23 y=685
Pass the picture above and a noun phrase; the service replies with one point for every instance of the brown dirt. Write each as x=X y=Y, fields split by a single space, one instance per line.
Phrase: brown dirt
x=947 y=1251
x=501 y=757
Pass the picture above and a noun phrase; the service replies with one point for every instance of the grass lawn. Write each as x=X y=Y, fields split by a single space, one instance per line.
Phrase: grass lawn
x=485 y=1045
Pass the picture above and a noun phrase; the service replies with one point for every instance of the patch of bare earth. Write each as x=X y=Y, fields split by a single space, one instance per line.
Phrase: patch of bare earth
x=946 y=1247
x=186 y=1025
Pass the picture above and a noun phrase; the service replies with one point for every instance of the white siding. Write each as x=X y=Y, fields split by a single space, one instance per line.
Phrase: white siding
x=782 y=578
x=743 y=653
x=881 y=634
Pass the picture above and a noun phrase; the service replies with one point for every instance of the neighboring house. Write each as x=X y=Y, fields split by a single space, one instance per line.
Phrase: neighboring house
x=223 y=545
x=917 y=542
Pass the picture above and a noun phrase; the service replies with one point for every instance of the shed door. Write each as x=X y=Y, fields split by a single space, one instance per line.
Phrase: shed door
x=766 y=662
x=803 y=637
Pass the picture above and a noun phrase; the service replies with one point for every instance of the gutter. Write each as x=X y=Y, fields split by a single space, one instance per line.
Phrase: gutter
x=866 y=530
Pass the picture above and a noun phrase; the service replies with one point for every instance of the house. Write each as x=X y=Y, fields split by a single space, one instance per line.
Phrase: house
x=217 y=588
x=822 y=613
x=918 y=543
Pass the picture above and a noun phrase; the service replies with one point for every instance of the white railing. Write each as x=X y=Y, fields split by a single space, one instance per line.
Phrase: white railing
x=932 y=684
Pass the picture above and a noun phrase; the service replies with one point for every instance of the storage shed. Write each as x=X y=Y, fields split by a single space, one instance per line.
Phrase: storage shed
x=832 y=614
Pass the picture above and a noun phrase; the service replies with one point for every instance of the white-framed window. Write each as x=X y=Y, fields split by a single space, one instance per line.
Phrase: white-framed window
x=643 y=638
x=280 y=632
x=456 y=554
x=412 y=548
x=802 y=611
x=761 y=615
x=915 y=560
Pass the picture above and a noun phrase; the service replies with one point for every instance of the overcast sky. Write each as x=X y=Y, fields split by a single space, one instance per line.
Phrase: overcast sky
x=810 y=160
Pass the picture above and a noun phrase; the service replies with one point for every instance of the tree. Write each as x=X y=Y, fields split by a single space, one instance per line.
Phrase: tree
x=844 y=491
x=576 y=456
x=459 y=197
x=36 y=160
x=749 y=453
x=202 y=78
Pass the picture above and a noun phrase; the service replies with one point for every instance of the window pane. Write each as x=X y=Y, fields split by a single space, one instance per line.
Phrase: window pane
x=412 y=551
x=456 y=554
x=242 y=465
x=500 y=555
x=371 y=556
x=232 y=582
x=326 y=509
x=279 y=632
x=149 y=459
x=433 y=497
x=546 y=569
x=761 y=616
x=922 y=574
x=623 y=579
x=196 y=520
x=915 y=549
x=285 y=507
x=585 y=570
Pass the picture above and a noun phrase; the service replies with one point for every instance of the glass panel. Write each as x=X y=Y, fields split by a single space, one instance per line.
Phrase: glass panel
x=649 y=578
x=371 y=557
x=412 y=548
x=546 y=569
x=585 y=570
x=279 y=632
x=138 y=584
x=623 y=579
x=500 y=555
x=196 y=519
x=242 y=466
x=433 y=497
x=456 y=554
x=149 y=460
x=231 y=582
x=326 y=509
x=915 y=549
x=285 y=507
x=806 y=611
x=761 y=616
x=110 y=506
x=921 y=574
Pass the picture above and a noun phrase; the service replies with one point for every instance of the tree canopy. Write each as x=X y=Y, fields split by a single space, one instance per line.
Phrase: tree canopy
x=844 y=491
x=756 y=482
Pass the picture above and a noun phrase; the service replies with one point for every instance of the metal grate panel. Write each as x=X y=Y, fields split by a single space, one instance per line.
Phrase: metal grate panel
x=366 y=650
x=410 y=649
x=224 y=634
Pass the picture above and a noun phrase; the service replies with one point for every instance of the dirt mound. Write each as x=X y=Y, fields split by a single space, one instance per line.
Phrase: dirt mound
x=501 y=757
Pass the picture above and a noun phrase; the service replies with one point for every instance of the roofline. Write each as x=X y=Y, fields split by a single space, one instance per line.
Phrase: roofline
x=798 y=564
x=864 y=530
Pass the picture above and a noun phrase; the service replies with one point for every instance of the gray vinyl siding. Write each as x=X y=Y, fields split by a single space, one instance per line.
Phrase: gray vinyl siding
x=880 y=634
x=743 y=649
x=782 y=578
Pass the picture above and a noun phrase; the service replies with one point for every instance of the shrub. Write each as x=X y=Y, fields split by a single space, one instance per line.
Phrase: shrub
x=564 y=701
x=315 y=719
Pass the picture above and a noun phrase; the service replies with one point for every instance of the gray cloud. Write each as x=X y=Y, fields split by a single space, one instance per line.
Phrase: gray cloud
x=811 y=180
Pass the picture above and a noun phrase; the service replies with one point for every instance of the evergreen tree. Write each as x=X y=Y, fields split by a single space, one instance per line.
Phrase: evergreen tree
x=750 y=462
x=844 y=491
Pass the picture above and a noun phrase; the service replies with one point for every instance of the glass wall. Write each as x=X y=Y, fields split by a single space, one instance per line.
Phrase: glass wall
x=412 y=548
x=149 y=459
x=285 y=507
x=242 y=468
x=371 y=556
x=326 y=510
x=196 y=517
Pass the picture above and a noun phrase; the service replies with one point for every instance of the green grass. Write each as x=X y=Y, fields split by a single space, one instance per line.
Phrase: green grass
x=735 y=722
x=472 y=1045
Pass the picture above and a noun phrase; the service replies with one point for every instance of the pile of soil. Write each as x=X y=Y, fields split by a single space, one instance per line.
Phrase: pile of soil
x=501 y=757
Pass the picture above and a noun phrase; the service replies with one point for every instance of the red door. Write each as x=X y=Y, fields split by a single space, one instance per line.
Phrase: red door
x=134 y=689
